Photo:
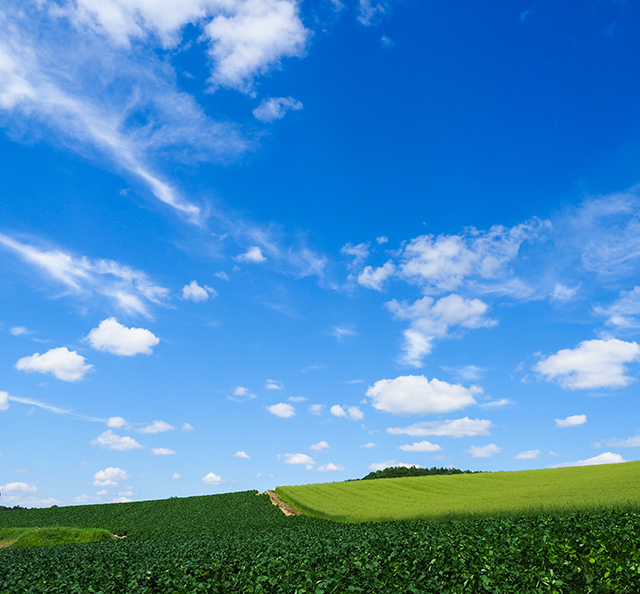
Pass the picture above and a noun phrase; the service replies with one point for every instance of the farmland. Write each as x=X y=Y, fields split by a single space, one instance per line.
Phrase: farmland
x=239 y=542
x=529 y=492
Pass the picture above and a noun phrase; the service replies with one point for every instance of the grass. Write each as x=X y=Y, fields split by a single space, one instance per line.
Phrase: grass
x=39 y=537
x=549 y=491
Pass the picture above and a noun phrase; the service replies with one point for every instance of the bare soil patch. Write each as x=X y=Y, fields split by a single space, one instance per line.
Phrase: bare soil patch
x=287 y=510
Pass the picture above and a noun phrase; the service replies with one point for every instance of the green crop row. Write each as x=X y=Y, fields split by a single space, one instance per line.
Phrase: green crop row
x=549 y=491
x=241 y=543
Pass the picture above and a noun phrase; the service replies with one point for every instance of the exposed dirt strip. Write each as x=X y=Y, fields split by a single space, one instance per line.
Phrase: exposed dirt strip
x=287 y=510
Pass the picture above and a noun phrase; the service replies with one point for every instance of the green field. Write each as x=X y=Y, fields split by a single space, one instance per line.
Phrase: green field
x=562 y=490
x=240 y=543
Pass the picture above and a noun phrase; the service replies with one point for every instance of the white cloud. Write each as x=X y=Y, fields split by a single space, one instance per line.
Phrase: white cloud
x=606 y=458
x=241 y=454
x=624 y=312
x=251 y=38
x=321 y=446
x=388 y=464
x=240 y=394
x=353 y=412
x=274 y=385
x=282 y=409
x=187 y=427
x=527 y=455
x=432 y=320
x=572 y=421
x=421 y=446
x=297 y=399
x=194 y=292
x=464 y=427
x=116 y=422
x=416 y=395
x=445 y=262
x=112 y=337
x=374 y=278
x=369 y=11
x=19 y=331
x=563 y=293
x=18 y=488
x=496 y=403
x=484 y=451
x=592 y=364
x=341 y=332
x=275 y=108
x=4 y=401
x=62 y=363
x=176 y=475
x=156 y=427
x=330 y=467
x=300 y=459
x=129 y=289
x=110 y=477
x=212 y=479
x=630 y=442
x=369 y=445
x=110 y=441
x=316 y=409
x=253 y=255
x=162 y=452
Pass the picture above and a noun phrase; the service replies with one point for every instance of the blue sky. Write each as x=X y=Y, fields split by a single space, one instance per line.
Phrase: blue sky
x=246 y=243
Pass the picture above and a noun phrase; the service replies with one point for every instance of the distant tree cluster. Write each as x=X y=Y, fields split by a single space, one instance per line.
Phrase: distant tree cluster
x=401 y=471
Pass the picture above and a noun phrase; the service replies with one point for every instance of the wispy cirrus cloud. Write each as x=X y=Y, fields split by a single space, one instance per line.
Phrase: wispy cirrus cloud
x=131 y=290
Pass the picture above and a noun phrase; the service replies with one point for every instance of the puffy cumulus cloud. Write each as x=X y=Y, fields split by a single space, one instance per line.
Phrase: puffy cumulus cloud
x=421 y=446
x=527 y=455
x=374 y=278
x=321 y=446
x=299 y=460
x=275 y=108
x=253 y=255
x=431 y=320
x=571 y=421
x=116 y=422
x=62 y=363
x=240 y=394
x=484 y=451
x=592 y=364
x=156 y=427
x=129 y=289
x=416 y=395
x=18 y=487
x=352 y=412
x=282 y=409
x=110 y=441
x=212 y=479
x=358 y=253
x=112 y=337
x=243 y=455
x=331 y=467
x=606 y=458
x=464 y=427
x=194 y=292
x=251 y=37
x=110 y=477
x=274 y=385
x=162 y=452
x=445 y=262
x=4 y=401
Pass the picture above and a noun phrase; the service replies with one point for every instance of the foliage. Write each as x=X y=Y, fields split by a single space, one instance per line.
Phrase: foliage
x=402 y=471
x=240 y=543
x=550 y=491
x=38 y=537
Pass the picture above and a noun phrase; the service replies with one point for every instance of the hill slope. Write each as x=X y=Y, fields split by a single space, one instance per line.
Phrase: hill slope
x=562 y=490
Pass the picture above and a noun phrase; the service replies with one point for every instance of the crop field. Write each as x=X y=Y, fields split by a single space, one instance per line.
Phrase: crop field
x=239 y=542
x=562 y=490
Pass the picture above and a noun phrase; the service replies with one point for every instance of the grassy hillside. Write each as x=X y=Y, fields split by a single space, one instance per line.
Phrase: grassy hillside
x=562 y=490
